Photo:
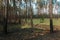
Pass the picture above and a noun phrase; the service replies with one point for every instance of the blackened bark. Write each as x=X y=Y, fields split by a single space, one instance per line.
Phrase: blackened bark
x=51 y=26
x=6 y=18
x=51 y=18
x=5 y=25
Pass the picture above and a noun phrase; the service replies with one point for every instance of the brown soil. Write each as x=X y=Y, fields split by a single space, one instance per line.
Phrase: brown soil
x=46 y=27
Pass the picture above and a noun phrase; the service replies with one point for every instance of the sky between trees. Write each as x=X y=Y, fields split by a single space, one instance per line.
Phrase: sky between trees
x=34 y=4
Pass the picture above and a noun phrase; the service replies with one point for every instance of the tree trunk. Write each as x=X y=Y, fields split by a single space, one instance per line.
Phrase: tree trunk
x=19 y=14
x=20 y=17
x=14 y=11
x=50 y=12
x=26 y=10
x=6 y=17
x=31 y=15
x=51 y=25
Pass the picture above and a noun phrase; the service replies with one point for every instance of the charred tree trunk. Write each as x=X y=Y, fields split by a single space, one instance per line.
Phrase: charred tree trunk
x=51 y=25
x=6 y=17
x=51 y=20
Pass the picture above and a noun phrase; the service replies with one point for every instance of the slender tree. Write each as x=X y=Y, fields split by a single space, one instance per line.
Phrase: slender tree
x=19 y=13
x=1 y=9
x=50 y=13
x=26 y=12
x=14 y=11
x=31 y=15
x=40 y=14
x=6 y=17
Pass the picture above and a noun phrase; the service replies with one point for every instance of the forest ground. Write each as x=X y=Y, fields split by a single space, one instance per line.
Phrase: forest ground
x=40 y=31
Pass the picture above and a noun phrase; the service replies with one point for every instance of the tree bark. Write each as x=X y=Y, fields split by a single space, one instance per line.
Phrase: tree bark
x=51 y=19
x=26 y=10
x=14 y=11
x=6 y=17
x=19 y=14
x=31 y=15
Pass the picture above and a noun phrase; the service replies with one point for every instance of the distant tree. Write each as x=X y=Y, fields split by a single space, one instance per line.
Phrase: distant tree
x=1 y=10
x=26 y=11
x=20 y=14
x=31 y=15
x=40 y=14
x=15 y=10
